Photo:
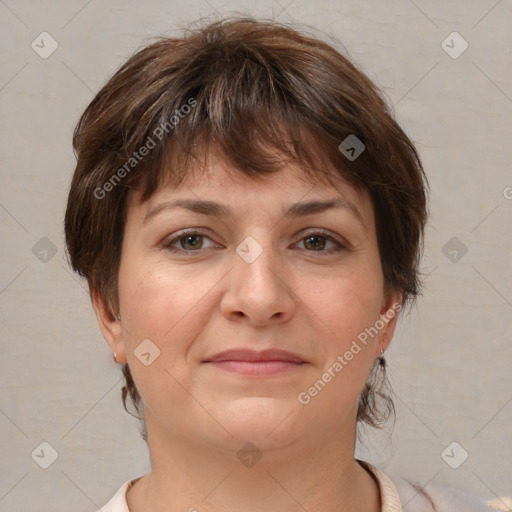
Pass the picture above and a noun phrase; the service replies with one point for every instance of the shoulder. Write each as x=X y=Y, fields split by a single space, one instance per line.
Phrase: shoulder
x=438 y=498
x=399 y=494
x=118 y=501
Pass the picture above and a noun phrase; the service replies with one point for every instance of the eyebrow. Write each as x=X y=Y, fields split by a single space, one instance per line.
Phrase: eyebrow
x=219 y=210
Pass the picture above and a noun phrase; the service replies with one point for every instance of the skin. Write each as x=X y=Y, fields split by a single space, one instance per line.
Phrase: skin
x=297 y=296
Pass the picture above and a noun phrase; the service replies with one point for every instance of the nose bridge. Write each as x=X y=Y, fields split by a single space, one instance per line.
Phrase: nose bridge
x=258 y=287
x=257 y=261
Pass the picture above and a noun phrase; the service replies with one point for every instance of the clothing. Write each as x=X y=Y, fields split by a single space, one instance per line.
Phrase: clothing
x=398 y=495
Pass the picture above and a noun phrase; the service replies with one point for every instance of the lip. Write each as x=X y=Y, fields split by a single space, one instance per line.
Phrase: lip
x=254 y=363
x=253 y=355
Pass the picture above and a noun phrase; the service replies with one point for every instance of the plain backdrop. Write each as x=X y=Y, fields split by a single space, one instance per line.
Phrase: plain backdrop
x=450 y=362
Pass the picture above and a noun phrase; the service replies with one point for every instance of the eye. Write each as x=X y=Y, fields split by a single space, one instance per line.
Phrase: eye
x=189 y=241
x=317 y=241
x=192 y=241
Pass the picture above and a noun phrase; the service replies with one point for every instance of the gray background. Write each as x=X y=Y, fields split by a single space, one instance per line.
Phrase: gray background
x=451 y=358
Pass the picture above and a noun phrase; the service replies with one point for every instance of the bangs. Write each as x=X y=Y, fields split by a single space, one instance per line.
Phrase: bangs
x=258 y=117
x=256 y=156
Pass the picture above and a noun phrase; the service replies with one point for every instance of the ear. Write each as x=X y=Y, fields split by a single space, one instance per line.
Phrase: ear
x=110 y=325
x=391 y=306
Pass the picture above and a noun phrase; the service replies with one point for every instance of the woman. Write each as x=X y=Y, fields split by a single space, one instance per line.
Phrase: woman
x=249 y=218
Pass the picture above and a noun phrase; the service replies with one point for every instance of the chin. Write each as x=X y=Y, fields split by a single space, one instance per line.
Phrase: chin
x=266 y=422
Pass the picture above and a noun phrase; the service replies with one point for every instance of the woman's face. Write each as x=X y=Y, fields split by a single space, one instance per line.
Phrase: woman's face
x=236 y=269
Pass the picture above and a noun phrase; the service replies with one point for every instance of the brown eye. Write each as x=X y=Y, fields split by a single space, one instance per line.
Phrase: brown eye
x=315 y=242
x=191 y=241
x=319 y=241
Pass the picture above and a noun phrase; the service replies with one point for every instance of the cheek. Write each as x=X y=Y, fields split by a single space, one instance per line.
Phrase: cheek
x=346 y=307
x=168 y=305
x=158 y=306
x=152 y=301
x=346 y=303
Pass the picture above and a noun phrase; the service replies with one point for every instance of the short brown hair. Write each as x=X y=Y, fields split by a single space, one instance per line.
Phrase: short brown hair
x=255 y=89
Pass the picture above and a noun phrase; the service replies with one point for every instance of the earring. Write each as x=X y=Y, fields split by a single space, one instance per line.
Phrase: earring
x=382 y=361
x=115 y=357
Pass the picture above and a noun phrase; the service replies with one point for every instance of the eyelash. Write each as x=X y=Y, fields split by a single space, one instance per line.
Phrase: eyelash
x=168 y=244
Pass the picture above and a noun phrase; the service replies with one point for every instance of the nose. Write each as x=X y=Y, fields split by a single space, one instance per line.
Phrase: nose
x=258 y=290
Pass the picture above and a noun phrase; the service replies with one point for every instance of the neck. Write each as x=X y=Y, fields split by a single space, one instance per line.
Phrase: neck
x=188 y=476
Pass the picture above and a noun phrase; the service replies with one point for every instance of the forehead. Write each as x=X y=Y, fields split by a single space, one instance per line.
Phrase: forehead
x=216 y=179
